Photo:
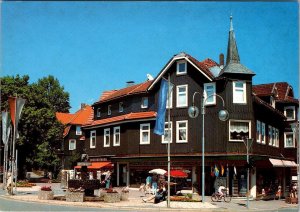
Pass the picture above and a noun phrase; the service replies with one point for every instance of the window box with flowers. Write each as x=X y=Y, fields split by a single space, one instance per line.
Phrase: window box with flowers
x=112 y=196
x=46 y=193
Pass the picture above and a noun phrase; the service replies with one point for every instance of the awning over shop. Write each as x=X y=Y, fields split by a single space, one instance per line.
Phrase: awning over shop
x=282 y=163
x=97 y=165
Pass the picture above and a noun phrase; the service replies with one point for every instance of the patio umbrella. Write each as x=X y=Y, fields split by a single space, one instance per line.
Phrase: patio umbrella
x=177 y=174
x=157 y=171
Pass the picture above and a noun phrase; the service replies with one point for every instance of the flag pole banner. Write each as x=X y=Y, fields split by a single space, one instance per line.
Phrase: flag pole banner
x=159 y=128
x=12 y=109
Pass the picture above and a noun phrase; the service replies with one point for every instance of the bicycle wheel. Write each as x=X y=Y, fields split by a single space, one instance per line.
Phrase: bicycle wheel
x=214 y=197
x=227 y=198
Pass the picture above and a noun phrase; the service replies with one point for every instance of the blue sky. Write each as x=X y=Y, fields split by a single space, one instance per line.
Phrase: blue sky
x=95 y=46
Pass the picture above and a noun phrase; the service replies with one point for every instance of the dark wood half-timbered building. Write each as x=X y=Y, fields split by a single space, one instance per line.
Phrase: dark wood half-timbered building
x=121 y=128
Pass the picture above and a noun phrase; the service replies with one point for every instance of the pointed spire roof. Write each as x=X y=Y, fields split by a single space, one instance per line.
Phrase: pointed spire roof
x=232 y=50
x=233 y=59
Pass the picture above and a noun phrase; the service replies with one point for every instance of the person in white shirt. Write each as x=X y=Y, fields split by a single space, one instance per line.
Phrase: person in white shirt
x=221 y=189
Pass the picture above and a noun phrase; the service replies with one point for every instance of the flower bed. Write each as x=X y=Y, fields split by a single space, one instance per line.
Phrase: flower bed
x=25 y=184
x=182 y=199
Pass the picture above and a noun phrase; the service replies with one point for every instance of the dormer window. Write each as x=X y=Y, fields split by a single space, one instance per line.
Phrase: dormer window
x=290 y=113
x=109 y=110
x=78 y=130
x=181 y=67
x=121 y=108
x=144 y=103
x=98 y=112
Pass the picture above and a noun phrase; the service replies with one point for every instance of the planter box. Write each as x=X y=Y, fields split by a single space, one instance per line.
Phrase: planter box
x=290 y=200
x=112 y=197
x=124 y=196
x=46 y=195
x=75 y=196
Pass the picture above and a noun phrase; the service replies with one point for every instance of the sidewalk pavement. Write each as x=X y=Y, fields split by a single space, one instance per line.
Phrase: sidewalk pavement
x=135 y=202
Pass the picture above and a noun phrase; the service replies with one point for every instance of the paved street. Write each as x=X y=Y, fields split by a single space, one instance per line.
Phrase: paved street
x=26 y=200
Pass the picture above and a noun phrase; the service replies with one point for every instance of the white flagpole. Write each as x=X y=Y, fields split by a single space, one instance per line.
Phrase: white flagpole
x=169 y=138
x=13 y=151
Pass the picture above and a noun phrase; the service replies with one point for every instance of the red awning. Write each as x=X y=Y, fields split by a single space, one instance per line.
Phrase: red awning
x=177 y=174
x=97 y=165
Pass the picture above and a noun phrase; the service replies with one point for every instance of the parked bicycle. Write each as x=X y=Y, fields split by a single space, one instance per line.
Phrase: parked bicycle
x=218 y=196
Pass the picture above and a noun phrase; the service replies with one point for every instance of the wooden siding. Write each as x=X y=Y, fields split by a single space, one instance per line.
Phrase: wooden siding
x=80 y=145
x=216 y=132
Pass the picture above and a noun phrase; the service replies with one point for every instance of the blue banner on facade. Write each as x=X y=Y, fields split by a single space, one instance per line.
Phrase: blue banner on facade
x=159 y=128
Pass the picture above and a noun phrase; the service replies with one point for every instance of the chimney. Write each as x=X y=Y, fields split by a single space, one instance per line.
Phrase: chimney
x=82 y=105
x=221 y=58
x=129 y=83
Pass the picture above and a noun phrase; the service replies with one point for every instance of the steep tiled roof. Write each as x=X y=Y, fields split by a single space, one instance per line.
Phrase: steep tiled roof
x=80 y=117
x=202 y=65
x=261 y=102
x=280 y=90
x=209 y=63
x=130 y=116
x=64 y=118
x=134 y=89
x=106 y=94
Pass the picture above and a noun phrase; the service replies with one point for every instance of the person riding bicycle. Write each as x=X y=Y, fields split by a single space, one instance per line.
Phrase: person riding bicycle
x=221 y=189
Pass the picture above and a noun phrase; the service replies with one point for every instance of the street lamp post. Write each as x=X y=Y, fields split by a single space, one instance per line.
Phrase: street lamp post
x=296 y=136
x=193 y=112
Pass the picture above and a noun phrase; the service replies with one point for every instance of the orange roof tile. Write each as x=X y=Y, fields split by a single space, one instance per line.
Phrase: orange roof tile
x=80 y=117
x=66 y=130
x=64 y=118
x=134 y=89
x=209 y=63
x=267 y=89
x=130 y=116
x=202 y=65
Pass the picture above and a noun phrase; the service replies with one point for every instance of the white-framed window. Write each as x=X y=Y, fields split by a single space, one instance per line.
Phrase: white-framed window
x=270 y=133
x=170 y=99
x=144 y=103
x=209 y=90
x=182 y=97
x=72 y=144
x=106 y=137
x=181 y=131
x=289 y=141
x=258 y=131
x=109 y=110
x=121 y=107
x=239 y=130
x=239 y=92
x=78 y=130
x=145 y=133
x=93 y=139
x=99 y=112
x=181 y=67
x=168 y=134
x=117 y=136
x=290 y=112
x=263 y=133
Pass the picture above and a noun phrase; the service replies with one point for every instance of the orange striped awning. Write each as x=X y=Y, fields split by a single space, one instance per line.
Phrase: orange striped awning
x=97 y=165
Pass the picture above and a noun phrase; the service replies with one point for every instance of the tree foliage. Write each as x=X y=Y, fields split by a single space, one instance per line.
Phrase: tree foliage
x=40 y=132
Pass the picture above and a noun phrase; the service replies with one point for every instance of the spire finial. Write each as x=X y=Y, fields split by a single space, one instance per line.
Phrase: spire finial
x=231 y=24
